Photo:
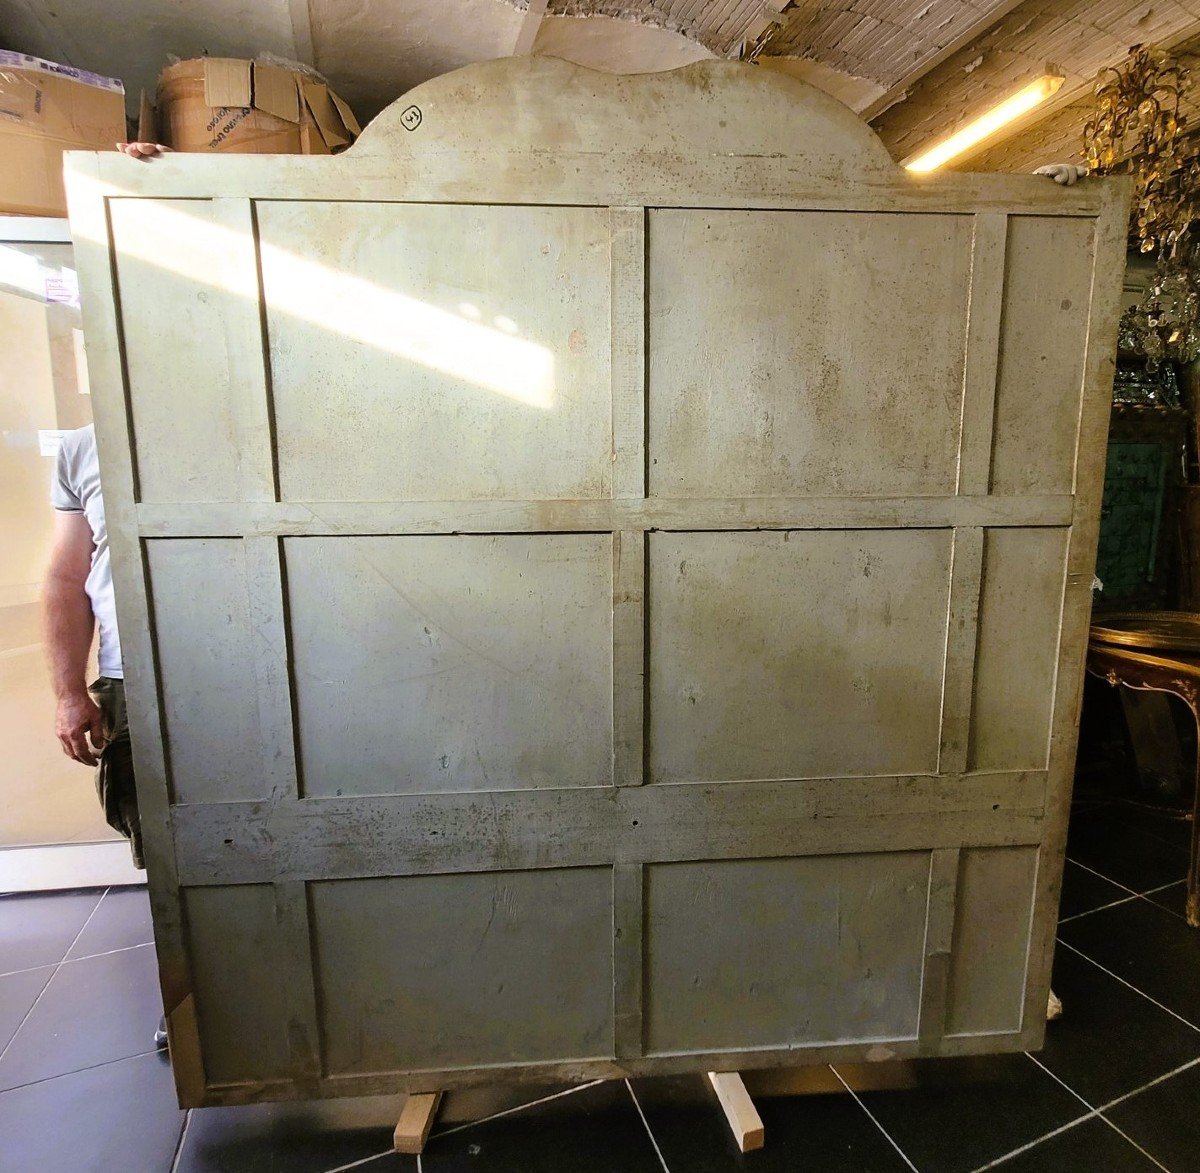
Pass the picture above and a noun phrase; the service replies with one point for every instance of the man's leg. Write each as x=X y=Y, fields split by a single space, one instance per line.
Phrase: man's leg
x=115 y=785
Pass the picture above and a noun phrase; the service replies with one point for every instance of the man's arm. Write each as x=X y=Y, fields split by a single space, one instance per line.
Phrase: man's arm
x=68 y=626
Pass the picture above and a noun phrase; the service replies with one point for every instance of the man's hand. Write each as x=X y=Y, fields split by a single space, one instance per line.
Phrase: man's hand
x=143 y=151
x=78 y=719
x=1066 y=174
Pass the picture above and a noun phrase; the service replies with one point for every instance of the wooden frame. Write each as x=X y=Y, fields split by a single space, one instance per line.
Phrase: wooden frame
x=541 y=133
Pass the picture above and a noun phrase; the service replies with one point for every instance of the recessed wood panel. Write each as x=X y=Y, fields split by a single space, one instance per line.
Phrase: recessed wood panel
x=464 y=970
x=781 y=952
x=452 y=663
x=184 y=397
x=1017 y=654
x=796 y=654
x=236 y=946
x=1040 y=380
x=762 y=382
x=991 y=939
x=460 y=352
x=209 y=689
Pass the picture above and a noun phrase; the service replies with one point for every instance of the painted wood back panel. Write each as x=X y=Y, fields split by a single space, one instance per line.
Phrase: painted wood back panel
x=601 y=592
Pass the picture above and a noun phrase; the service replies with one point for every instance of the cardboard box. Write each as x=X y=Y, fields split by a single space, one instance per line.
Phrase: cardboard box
x=46 y=109
x=227 y=105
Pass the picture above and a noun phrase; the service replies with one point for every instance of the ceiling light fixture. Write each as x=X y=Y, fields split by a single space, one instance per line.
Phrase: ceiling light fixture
x=986 y=125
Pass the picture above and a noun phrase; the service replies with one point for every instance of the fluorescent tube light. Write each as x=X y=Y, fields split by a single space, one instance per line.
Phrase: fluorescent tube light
x=987 y=124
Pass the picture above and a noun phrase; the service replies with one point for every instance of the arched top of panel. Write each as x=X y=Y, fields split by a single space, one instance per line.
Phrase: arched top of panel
x=711 y=109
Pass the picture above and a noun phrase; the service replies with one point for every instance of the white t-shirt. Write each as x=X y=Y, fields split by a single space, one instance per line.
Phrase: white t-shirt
x=76 y=489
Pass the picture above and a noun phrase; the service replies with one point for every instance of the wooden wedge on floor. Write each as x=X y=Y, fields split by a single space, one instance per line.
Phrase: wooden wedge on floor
x=416 y=1119
x=740 y=1112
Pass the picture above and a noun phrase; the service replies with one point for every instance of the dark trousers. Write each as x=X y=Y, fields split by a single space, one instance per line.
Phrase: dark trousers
x=114 y=775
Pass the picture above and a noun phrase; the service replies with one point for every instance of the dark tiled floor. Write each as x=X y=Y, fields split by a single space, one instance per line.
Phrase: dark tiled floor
x=1117 y=1087
x=299 y=1138
x=1164 y=1120
x=1091 y=1147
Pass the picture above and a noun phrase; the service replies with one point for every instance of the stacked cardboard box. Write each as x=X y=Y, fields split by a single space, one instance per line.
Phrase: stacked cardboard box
x=223 y=104
x=46 y=109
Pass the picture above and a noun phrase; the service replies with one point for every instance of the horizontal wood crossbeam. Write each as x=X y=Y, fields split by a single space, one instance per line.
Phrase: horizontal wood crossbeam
x=569 y=178
x=602 y=1067
x=323 y=519
x=595 y=826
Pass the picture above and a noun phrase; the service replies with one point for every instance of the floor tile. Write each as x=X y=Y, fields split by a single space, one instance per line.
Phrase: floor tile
x=122 y=920
x=122 y=1116
x=297 y=1137
x=829 y=1132
x=18 y=992
x=1147 y=946
x=1110 y=1039
x=1164 y=1121
x=92 y=1011
x=1173 y=899
x=1130 y=847
x=594 y=1130
x=958 y=1114
x=1092 y=1146
x=38 y=929
x=1084 y=891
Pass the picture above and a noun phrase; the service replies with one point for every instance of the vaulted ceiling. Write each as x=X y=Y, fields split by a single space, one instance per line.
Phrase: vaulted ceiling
x=917 y=69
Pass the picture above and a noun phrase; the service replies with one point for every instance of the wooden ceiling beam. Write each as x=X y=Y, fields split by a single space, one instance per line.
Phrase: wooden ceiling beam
x=530 y=23
x=302 y=38
x=899 y=91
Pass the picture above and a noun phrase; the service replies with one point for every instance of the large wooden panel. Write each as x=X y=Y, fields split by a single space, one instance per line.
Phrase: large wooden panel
x=604 y=595
x=769 y=304
x=460 y=352
x=452 y=663
x=464 y=970
x=792 y=951
x=796 y=654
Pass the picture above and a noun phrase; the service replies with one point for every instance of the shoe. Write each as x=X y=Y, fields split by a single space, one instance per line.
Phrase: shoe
x=160 y=1035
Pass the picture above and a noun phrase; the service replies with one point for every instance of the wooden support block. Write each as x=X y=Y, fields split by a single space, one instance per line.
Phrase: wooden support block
x=416 y=1119
x=739 y=1108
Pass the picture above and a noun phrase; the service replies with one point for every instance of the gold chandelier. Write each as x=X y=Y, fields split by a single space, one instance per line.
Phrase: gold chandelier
x=1139 y=129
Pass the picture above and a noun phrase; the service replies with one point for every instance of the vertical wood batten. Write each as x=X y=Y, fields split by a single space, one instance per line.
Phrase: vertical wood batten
x=629 y=657
x=939 y=946
x=984 y=313
x=628 y=387
x=298 y=979
x=1108 y=256
x=628 y=340
x=628 y=953
x=95 y=260
x=270 y=653
x=962 y=630
x=246 y=347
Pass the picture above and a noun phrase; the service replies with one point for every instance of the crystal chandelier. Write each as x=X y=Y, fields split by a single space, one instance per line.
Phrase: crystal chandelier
x=1138 y=129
